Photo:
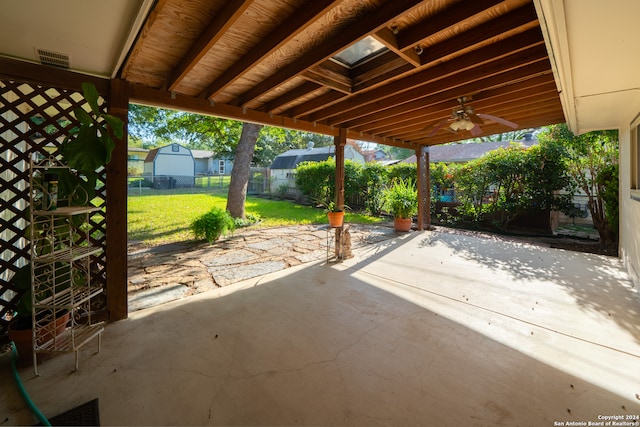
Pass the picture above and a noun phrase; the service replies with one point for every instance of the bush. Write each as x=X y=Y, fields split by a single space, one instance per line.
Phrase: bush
x=401 y=198
x=212 y=225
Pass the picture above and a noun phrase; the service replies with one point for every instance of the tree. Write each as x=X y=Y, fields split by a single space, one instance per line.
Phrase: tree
x=588 y=155
x=241 y=169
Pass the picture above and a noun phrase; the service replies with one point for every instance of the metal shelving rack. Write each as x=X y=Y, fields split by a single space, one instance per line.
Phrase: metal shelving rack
x=61 y=289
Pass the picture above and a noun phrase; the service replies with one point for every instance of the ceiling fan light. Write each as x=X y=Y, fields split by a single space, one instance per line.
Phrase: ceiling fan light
x=468 y=125
x=455 y=126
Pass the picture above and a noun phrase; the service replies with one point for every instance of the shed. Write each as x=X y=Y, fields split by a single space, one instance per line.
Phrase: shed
x=284 y=165
x=170 y=166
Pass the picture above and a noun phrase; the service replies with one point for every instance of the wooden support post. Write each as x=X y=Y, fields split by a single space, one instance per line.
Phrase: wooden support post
x=339 y=141
x=424 y=188
x=116 y=218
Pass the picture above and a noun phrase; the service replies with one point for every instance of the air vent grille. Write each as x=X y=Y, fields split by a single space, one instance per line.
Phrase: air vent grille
x=52 y=59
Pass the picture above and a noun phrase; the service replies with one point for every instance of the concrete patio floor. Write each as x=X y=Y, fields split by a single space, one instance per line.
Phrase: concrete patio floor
x=430 y=328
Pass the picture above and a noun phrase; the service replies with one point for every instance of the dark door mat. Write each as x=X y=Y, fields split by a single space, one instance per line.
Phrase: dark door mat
x=86 y=414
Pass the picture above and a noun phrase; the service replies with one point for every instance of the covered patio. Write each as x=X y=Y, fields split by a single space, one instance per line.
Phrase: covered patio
x=487 y=332
x=434 y=328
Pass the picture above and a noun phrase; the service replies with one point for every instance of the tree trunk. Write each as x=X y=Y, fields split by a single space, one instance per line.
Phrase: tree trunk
x=241 y=168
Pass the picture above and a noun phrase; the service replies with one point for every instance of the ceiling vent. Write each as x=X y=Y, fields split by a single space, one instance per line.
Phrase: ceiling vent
x=52 y=59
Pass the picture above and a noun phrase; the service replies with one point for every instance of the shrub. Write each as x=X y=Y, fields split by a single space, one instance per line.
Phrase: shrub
x=401 y=198
x=212 y=225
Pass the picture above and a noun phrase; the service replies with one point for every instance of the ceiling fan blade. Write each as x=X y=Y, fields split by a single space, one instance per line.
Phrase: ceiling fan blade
x=475 y=119
x=476 y=131
x=437 y=127
x=499 y=120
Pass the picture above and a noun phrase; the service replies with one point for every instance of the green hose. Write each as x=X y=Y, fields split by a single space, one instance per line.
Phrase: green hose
x=23 y=392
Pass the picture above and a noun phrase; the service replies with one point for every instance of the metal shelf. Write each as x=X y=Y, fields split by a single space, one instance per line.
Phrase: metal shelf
x=61 y=278
x=71 y=339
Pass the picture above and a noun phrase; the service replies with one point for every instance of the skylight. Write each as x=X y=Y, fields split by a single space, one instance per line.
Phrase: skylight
x=359 y=52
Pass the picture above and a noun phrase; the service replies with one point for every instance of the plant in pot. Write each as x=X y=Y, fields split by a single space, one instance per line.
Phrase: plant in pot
x=51 y=322
x=401 y=200
x=335 y=213
x=85 y=150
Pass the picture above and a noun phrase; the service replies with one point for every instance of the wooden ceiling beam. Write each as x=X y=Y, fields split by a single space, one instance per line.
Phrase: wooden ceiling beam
x=314 y=104
x=298 y=92
x=327 y=77
x=525 y=15
x=516 y=92
x=347 y=36
x=389 y=39
x=519 y=116
x=434 y=113
x=284 y=32
x=551 y=118
x=516 y=114
x=413 y=81
x=455 y=14
x=521 y=65
x=223 y=20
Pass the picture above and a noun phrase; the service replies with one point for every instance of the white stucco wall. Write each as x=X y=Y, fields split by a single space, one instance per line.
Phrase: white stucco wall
x=629 y=211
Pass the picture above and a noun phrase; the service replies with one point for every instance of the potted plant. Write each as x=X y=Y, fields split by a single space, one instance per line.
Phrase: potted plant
x=85 y=150
x=335 y=213
x=21 y=326
x=401 y=200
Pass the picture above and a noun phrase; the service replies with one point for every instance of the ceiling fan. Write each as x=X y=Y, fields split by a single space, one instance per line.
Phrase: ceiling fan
x=465 y=118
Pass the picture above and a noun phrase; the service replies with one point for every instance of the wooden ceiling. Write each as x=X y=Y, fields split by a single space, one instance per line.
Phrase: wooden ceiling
x=273 y=62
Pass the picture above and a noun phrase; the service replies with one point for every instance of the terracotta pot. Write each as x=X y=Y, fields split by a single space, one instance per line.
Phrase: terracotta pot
x=22 y=337
x=402 y=224
x=335 y=218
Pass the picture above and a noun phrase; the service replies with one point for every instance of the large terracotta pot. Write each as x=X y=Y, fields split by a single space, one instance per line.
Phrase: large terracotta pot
x=402 y=224
x=335 y=218
x=22 y=337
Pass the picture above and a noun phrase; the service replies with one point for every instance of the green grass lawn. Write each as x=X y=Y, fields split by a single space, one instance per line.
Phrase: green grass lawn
x=164 y=218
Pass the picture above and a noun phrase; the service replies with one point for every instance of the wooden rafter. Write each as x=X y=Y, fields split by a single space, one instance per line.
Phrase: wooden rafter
x=221 y=23
x=283 y=33
x=466 y=63
x=341 y=40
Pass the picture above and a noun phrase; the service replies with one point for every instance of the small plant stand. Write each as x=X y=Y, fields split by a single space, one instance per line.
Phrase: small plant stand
x=61 y=262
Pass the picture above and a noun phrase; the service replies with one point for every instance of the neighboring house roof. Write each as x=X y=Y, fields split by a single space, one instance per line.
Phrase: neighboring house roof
x=137 y=149
x=151 y=155
x=291 y=158
x=201 y=154
x=460 y=153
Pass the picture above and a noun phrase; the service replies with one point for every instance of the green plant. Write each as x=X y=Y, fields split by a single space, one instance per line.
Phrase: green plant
x=401 y=198
x=212 y=225
x=85 y=150
x=88 y=148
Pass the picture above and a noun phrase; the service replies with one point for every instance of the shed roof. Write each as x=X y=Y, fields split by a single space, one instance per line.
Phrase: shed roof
x=290 y=159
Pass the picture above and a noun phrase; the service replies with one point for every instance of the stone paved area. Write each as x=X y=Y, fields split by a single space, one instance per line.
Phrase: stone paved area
x=167 y=272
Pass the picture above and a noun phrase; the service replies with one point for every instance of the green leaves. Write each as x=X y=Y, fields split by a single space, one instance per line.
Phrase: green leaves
x=401 y=198
x=212 y=225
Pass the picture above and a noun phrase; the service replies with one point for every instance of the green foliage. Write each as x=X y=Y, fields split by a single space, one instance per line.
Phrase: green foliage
x=212 y=225
x=157 y=126
x=607 y=180
x=510 y=182
x=317 y=180
x=401 y=198
x=374 y=177
x=248 y=220
x=586 y=156
x=88 y=148
x=402 y=171
x=154 y=219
